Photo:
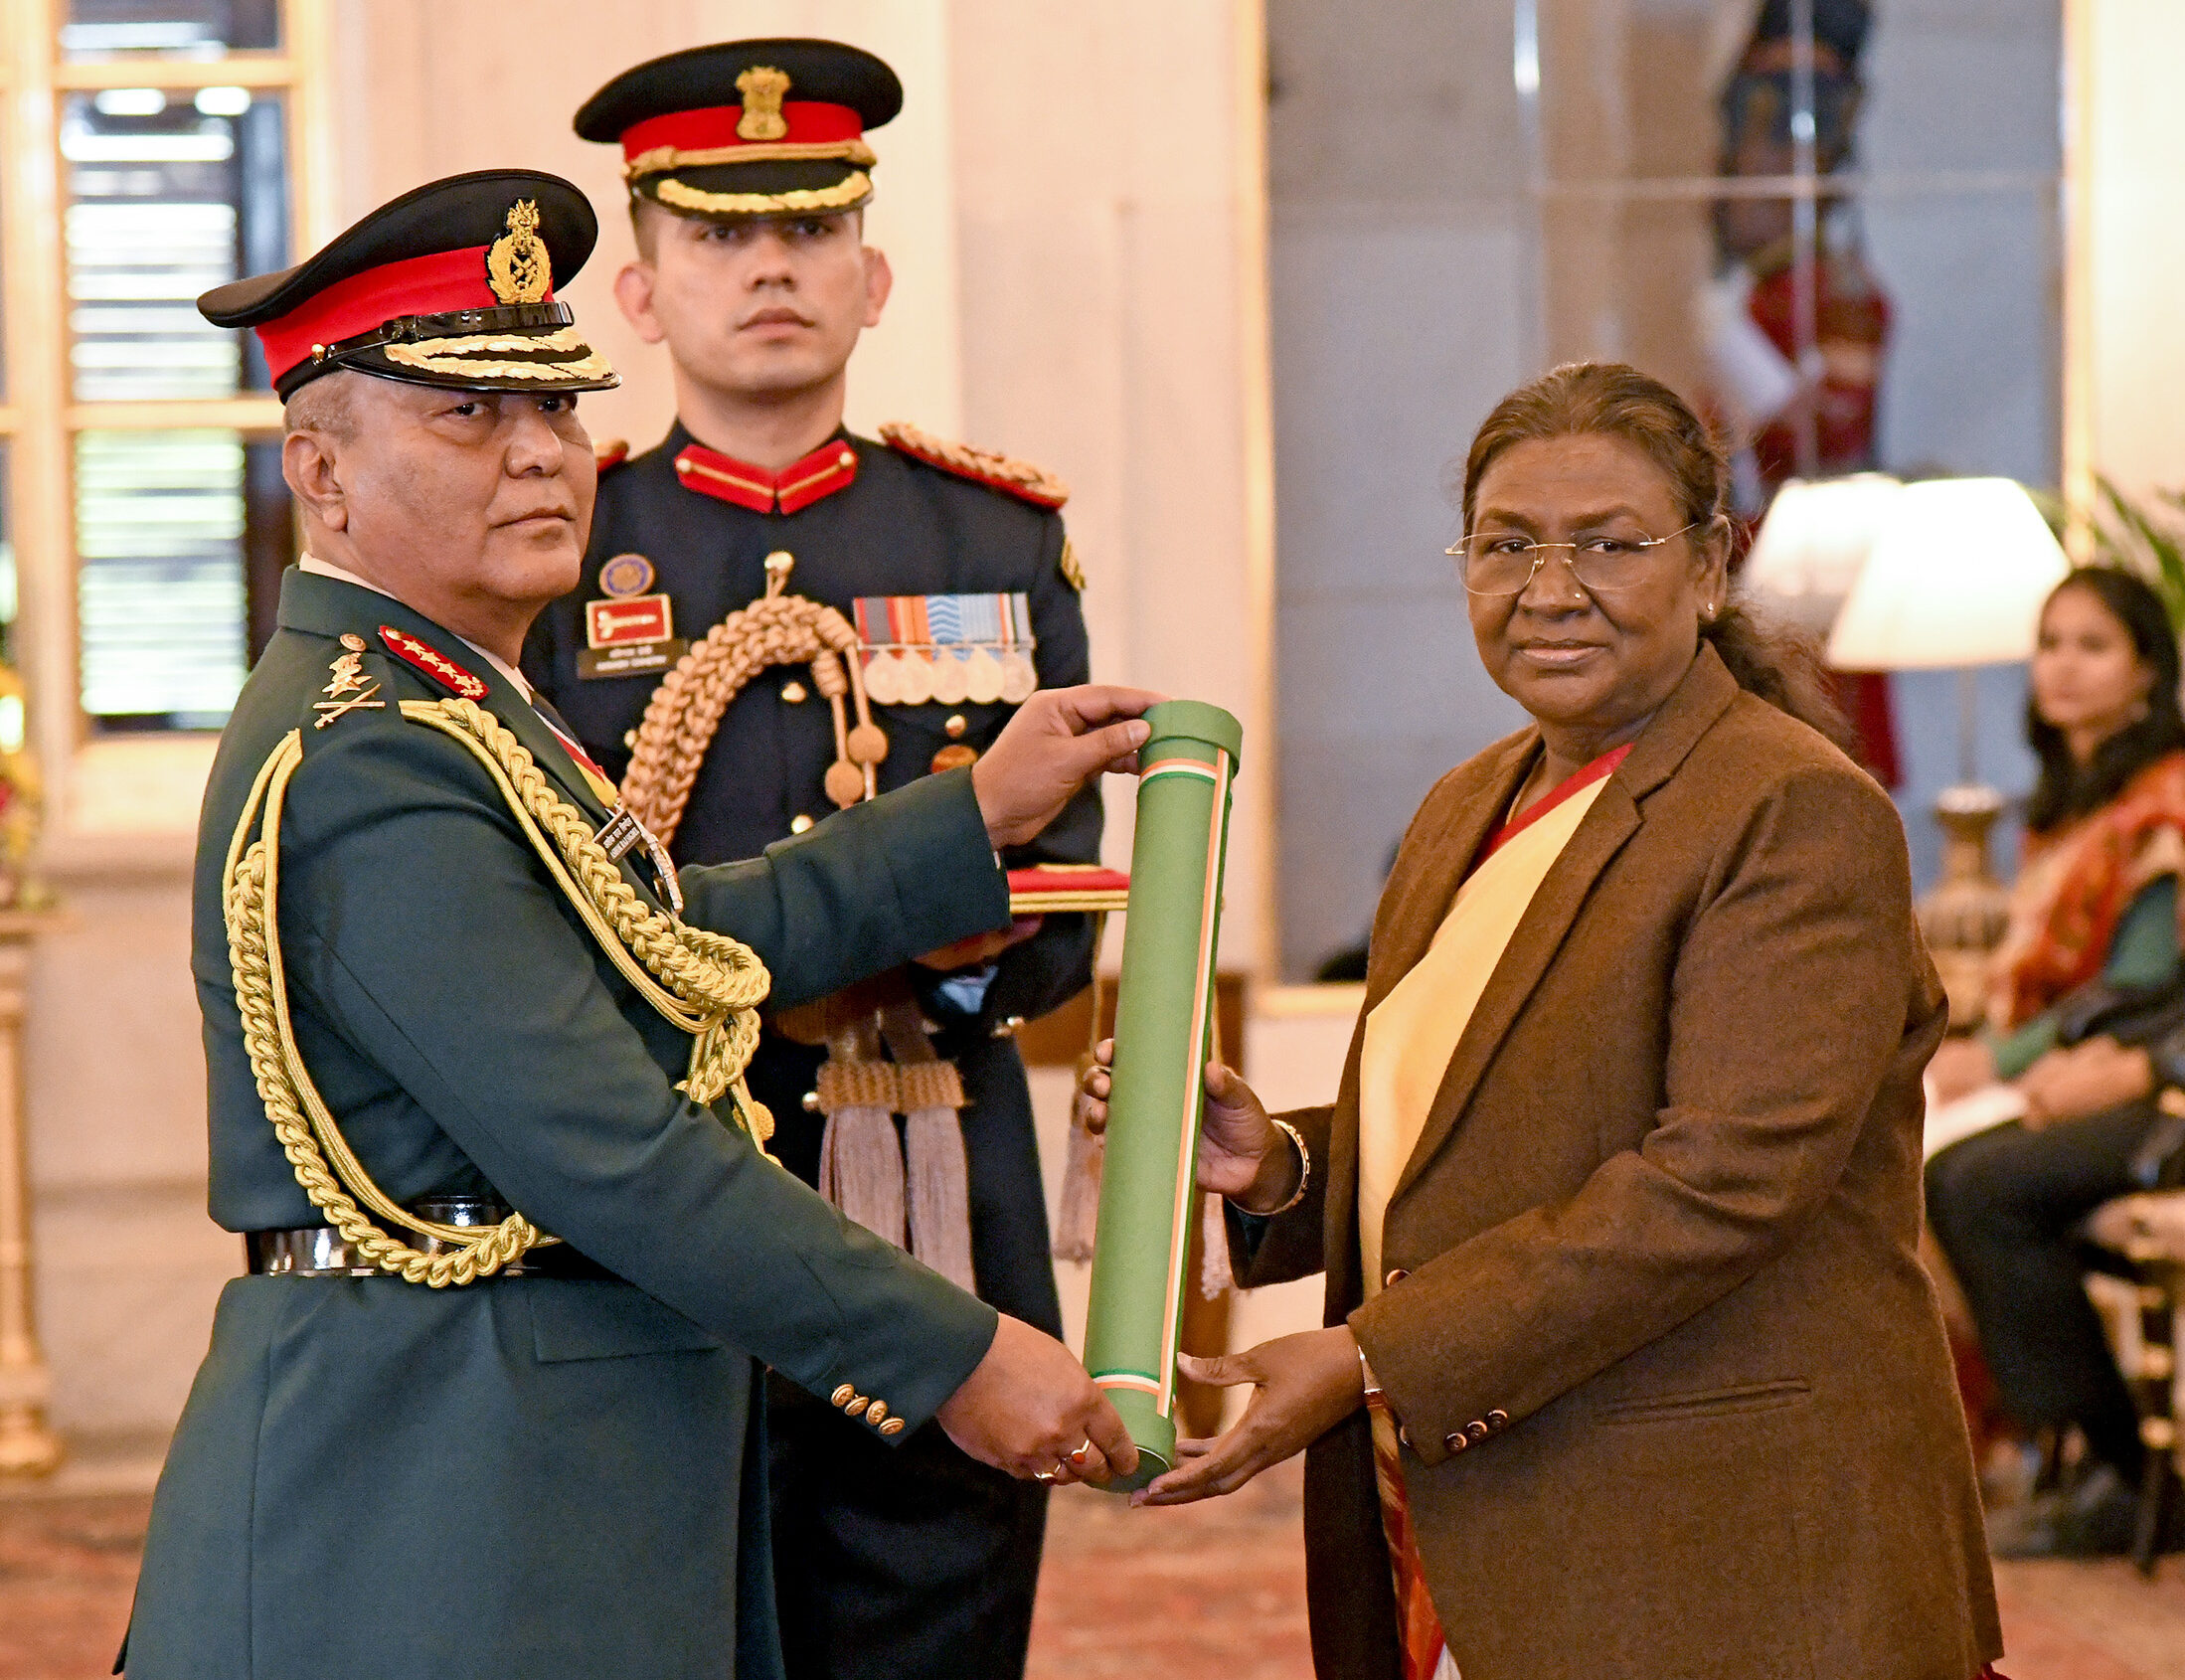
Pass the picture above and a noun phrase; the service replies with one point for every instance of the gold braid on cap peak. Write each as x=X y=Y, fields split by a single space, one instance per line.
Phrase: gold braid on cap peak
x=591 y=365
x=567 y=338
x=852 y=190
x=660 y=159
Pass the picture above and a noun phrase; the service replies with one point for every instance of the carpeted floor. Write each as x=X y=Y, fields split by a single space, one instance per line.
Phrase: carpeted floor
x=1120 y=1587
x=1215 y=1588
x=67 y=1570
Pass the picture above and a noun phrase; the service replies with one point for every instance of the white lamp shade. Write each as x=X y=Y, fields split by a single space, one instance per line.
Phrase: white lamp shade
x=1815 y=543
x=1956 y=577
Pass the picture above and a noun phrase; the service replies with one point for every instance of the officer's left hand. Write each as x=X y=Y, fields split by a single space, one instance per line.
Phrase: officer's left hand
x=1059 y=740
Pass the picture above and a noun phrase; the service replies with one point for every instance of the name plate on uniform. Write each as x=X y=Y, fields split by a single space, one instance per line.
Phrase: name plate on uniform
x=630 y=636
x=946 y=649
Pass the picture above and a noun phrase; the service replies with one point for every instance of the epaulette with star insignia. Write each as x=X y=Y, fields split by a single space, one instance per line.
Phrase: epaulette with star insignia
x=434 y=665
x=1017 y=478
x=610 y=454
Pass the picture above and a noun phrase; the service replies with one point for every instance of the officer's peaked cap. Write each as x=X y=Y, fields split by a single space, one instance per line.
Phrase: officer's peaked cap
x=451 y=284
x=748 y=127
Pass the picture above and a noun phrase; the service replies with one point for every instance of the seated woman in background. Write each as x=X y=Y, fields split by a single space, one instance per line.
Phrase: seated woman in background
x=2093 y=914
x=1630 y=1368
x=2097 y=889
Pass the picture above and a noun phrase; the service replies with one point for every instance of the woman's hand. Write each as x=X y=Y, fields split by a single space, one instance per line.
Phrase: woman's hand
x=1241 y=1154
x=2069 y=1085
x=1304 y=1386
x=1961 y=1067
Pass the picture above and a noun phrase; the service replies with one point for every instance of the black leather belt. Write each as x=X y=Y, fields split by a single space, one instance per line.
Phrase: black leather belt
x=320 y=1250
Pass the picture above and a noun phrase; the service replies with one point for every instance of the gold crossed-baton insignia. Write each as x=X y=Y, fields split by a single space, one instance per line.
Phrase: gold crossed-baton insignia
x=347 y=688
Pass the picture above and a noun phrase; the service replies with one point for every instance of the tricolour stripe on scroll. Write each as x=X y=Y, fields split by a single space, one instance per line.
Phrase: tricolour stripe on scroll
x=1210 y=912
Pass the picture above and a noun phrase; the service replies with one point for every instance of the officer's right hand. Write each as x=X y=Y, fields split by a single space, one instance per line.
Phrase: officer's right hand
x=1028 y=1407
x=1057 y=741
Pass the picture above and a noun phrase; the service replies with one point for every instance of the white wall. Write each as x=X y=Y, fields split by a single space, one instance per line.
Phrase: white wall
x=1403 y=267
x=2132 y=174
x=1110 y=294
x=1401 y=242
x=1971 y=384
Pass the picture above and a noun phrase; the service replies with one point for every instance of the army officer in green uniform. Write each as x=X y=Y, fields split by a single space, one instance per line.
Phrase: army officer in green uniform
x=748 y=164
x=484 y=1407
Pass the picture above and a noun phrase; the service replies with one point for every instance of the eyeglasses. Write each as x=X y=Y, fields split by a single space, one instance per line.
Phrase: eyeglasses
x=1504 y=563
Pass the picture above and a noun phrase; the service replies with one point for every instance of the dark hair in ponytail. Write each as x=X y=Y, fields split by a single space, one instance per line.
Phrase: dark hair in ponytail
x=1779 y=663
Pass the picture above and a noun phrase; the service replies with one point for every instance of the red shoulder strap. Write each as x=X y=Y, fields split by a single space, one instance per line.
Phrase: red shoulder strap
x=431 y=664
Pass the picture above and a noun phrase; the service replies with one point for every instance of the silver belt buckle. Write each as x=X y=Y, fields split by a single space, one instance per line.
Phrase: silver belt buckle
x=465 y=1211
x=320 y=1250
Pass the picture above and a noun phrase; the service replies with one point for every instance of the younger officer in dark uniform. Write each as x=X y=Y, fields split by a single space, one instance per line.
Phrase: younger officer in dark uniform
x=447 y=994
x=747 y=165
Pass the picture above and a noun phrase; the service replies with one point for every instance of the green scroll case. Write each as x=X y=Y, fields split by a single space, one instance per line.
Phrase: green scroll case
x=1164 y=1034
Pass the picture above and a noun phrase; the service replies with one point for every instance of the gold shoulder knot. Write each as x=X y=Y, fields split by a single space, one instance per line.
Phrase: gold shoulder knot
x=1071 y=568
x=1017 y=478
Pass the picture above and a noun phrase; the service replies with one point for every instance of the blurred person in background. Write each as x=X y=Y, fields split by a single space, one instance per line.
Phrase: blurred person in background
x=2086 y=1017
x=1801 y=393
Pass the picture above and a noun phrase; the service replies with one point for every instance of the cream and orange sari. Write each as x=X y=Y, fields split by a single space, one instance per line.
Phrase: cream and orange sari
x=2073 y=885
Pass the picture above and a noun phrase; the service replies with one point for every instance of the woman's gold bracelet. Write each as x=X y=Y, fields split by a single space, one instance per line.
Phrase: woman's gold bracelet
x=1304 y=1169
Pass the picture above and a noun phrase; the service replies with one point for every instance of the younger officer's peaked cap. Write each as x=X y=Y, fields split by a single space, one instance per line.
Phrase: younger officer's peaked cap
x=451 y=284
x=748 y=127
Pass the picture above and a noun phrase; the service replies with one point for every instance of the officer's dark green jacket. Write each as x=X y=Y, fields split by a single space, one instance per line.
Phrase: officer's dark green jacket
x=526 y=1476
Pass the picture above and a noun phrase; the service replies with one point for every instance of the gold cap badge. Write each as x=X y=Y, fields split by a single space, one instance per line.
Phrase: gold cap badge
x=517 y=265
x=764 y=88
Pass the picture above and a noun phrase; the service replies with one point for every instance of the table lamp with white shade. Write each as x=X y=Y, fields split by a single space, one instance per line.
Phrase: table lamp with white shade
x=1813 y=544
x=1955 y=578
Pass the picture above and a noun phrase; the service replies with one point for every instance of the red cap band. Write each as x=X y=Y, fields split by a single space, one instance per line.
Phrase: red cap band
x=446 y=280
x=809 y=121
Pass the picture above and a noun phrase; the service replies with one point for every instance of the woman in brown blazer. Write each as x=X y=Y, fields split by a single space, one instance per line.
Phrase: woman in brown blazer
x=1619 y=1196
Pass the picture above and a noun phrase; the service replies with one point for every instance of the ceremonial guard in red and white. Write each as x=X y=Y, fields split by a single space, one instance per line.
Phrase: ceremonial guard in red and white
x=777 y=619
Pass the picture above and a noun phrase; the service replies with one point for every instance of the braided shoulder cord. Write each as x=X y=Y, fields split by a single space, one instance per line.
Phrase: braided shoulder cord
x=707 y=984
x=686 y=709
